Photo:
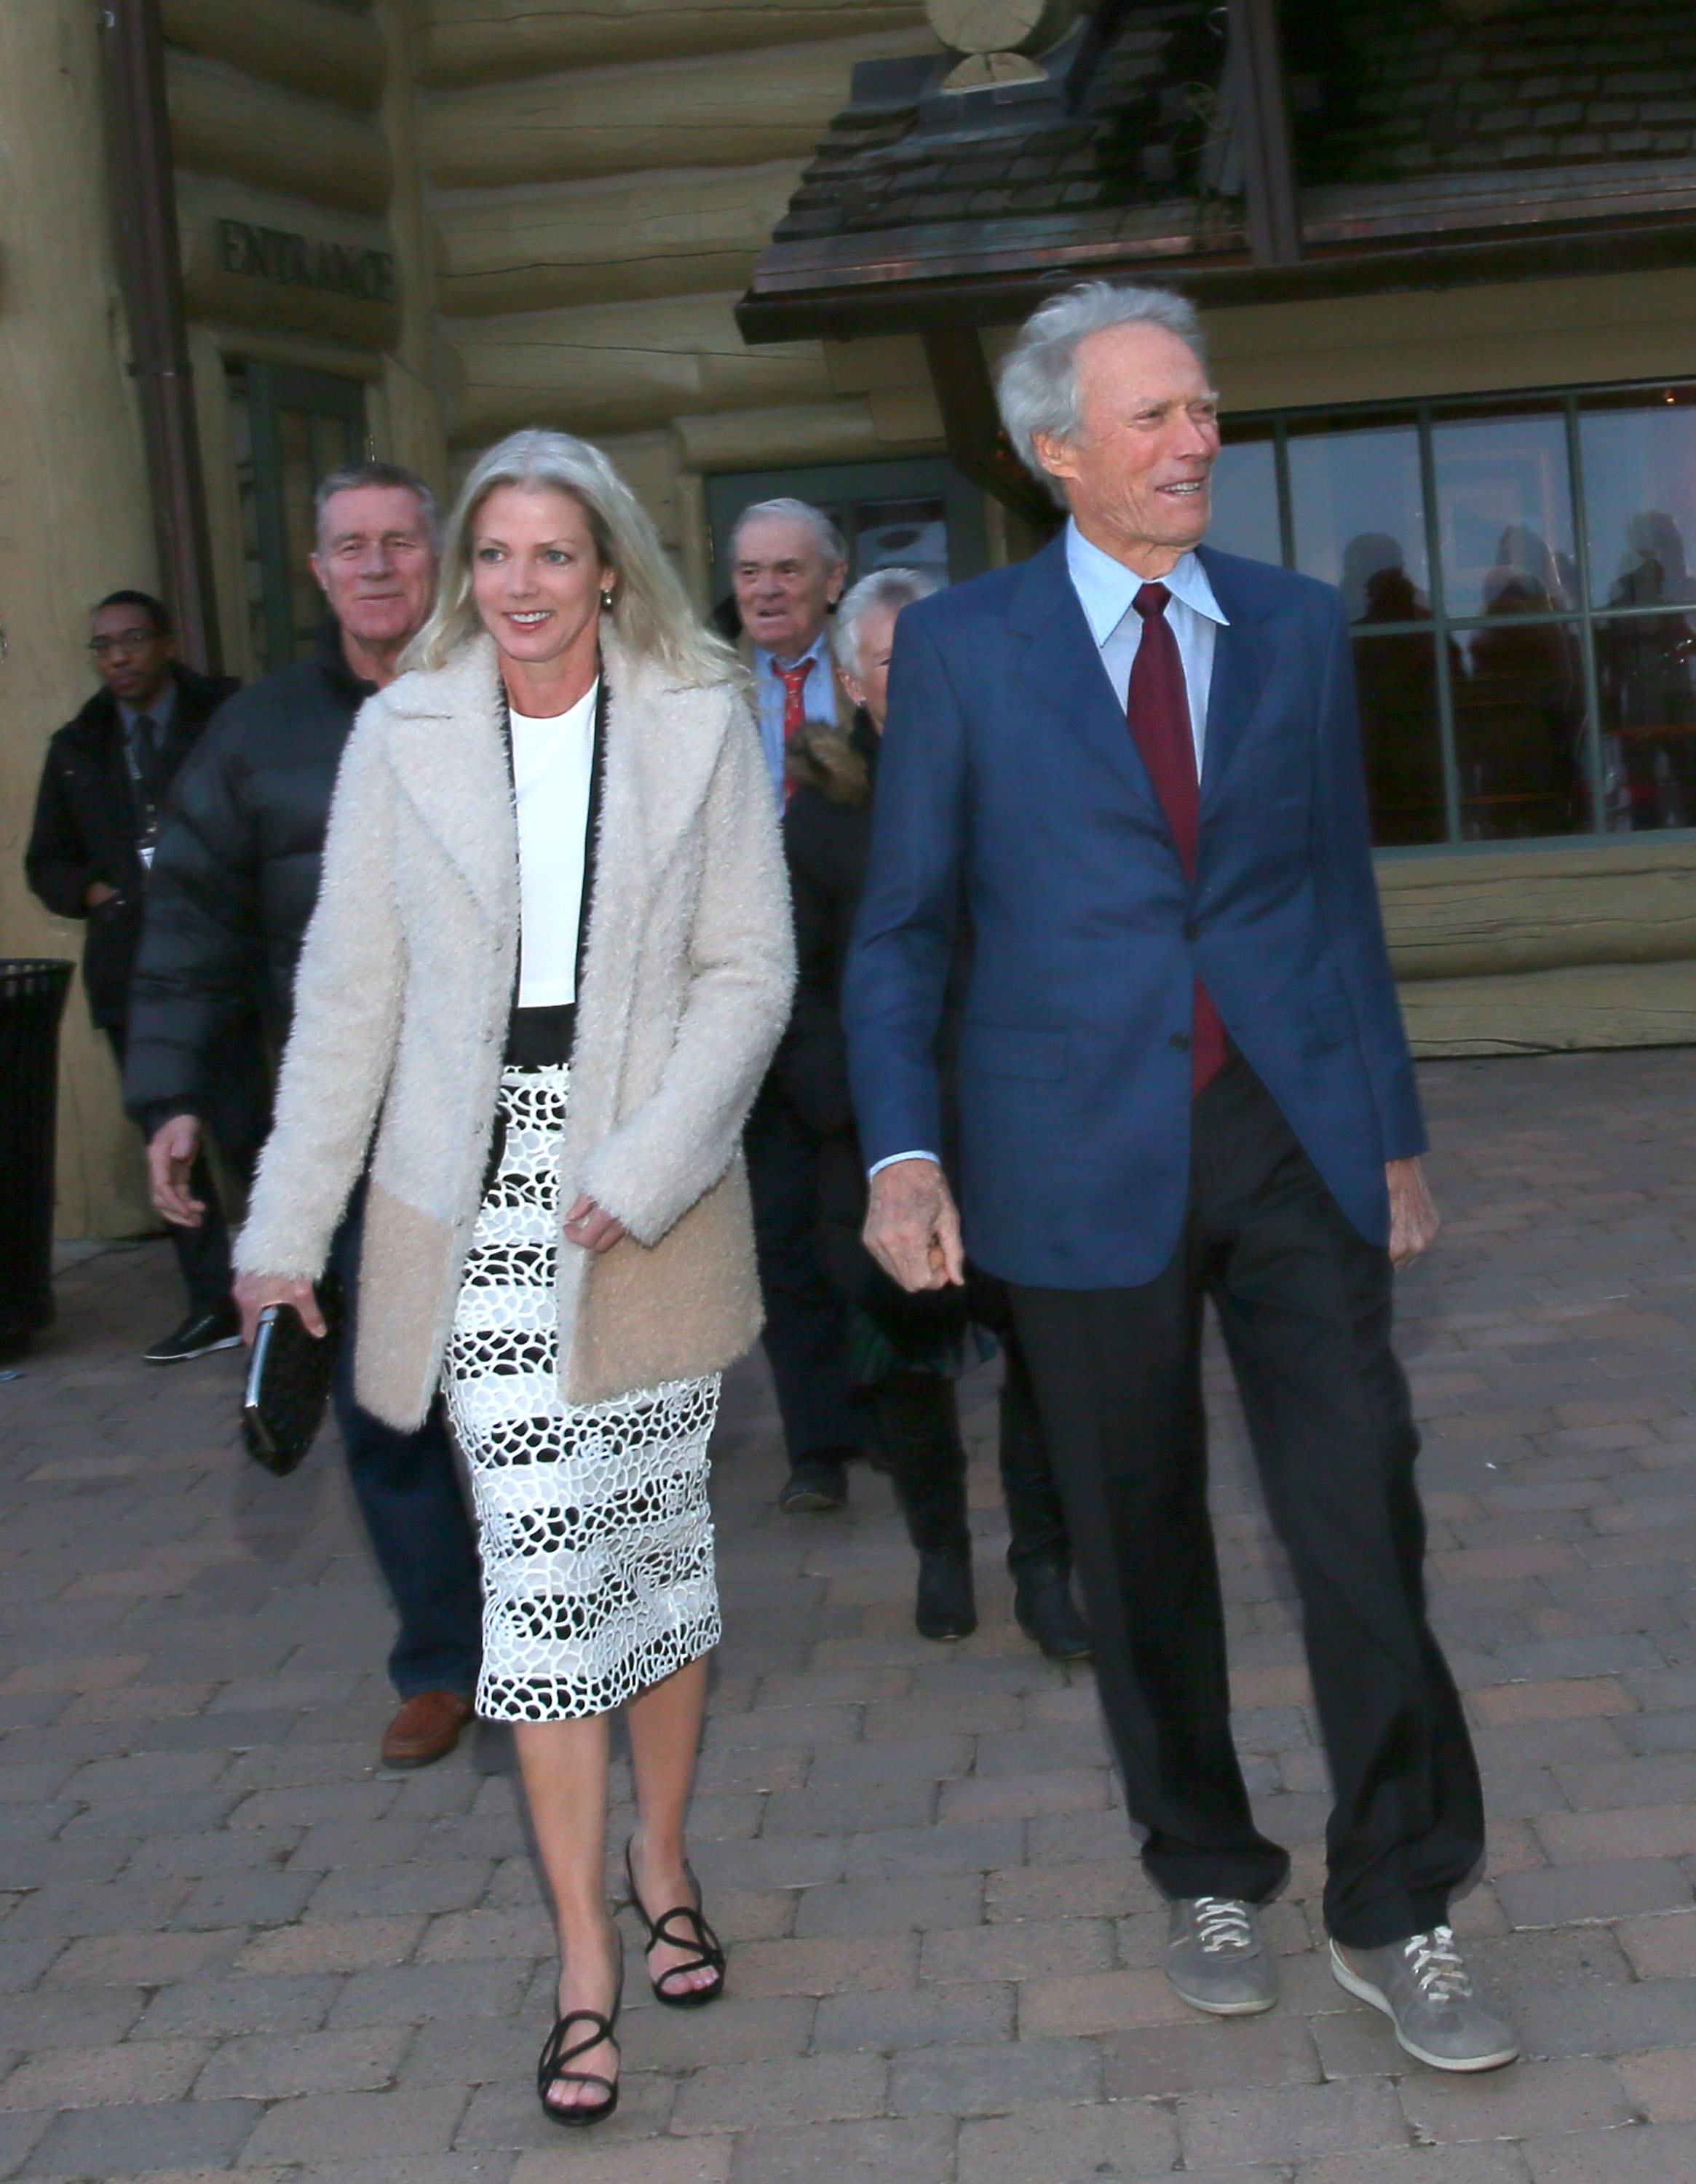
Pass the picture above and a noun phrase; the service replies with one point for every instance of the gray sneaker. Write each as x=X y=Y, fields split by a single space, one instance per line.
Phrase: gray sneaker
x=1216 y=1957
x=1423 y=1988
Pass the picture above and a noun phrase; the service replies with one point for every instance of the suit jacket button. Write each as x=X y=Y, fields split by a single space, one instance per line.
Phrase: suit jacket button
x=1181 y=1041
x=1192 y=930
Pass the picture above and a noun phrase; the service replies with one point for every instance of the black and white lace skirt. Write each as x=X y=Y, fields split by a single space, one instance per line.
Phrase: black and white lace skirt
x=592 y=1521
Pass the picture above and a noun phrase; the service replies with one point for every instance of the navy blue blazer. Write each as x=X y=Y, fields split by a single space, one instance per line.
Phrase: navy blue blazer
x=1008 y=769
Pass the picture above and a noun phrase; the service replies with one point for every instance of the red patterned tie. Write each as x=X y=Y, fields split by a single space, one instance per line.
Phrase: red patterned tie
x=1157 y=706
x=794 y=681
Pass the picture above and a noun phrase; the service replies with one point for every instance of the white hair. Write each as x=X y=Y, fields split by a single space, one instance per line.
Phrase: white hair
x=650 y=609
x=888 y=588
x=831 y=542
x=1037 y=382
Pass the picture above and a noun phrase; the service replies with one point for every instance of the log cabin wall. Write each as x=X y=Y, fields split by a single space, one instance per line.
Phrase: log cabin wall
x=304 y=240
x=601 y=179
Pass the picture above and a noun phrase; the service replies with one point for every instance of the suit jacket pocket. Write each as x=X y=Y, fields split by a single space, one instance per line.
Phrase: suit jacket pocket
x=1008 y=1051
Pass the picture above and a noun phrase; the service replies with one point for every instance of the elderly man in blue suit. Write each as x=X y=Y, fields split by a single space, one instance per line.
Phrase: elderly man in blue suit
x=1182 y=1074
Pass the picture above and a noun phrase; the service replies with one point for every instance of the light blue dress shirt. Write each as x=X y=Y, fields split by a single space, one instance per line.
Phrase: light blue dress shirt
x=818 y=696
x=1106 y=590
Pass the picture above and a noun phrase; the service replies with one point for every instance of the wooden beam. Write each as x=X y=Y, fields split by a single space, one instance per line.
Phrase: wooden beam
x=978 y=446
x=307 y=45
x=1263 y=124
x=466 y=41
x=671 y=234
x=227 y=124
x=721 y=110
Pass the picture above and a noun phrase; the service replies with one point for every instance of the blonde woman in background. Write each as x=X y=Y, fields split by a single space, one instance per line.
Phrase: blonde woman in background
x=549 y=964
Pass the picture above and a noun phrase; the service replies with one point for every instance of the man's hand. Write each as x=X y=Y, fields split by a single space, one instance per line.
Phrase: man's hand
x=172 y=1151
x=592 y=1228
x=97 y=891
x=911 y=1227
x=253 y=1292
x=1413 y=1220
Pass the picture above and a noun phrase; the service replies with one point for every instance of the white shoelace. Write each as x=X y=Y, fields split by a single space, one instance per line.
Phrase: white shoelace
x=1437 y=1966
x=1222 y=1922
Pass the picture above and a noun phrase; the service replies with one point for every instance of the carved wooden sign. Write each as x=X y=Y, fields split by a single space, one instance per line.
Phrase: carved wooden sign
x=275 y=254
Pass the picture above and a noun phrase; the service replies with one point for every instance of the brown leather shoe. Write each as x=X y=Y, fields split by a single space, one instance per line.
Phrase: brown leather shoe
x=426 y=1728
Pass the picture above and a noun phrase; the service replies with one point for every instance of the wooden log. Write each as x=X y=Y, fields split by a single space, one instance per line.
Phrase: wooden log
x=1630 y=900
x=755 y=439
x=481 y=40
x=252 y=259
x=619 y=367
x=304 y=45
x=1553 y=1011
x=223 y=123
x=725 y=110
x=609 y=242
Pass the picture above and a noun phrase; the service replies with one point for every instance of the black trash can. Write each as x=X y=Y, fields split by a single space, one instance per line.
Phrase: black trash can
x=31 y=1002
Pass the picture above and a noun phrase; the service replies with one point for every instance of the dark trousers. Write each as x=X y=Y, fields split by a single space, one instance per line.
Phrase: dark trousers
x=1304 y=1305
x=805 y=1317
x=919 y=1440
x=406 y=1485
x=238 y=1125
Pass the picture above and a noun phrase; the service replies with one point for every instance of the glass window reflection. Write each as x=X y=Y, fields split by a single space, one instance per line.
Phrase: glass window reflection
x=1519 y=724
x=1646 y=673
x=1401 y=736
x=1504 y=515
x=1640 y=501
x=1350 y=488
x=1245 y=501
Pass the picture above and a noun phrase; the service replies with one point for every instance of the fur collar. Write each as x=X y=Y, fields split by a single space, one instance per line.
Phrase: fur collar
x=825 y=759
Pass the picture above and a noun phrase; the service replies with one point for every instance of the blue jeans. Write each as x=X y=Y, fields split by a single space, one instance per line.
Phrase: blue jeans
x=406 y=1485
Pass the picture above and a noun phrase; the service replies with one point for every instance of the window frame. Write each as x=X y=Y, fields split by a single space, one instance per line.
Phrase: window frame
x=1572 y=403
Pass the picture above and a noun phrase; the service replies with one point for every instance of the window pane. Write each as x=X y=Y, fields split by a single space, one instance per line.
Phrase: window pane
x=1359 y=510
x=1640 y=501
x=1519 y=729
x=1400 y=736
x=1646 y=665
x=1504 y=514
x=1245 y=502
x=904 y=534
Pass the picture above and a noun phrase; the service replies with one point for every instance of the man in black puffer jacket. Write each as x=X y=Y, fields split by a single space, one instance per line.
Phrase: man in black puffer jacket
x=234 y=883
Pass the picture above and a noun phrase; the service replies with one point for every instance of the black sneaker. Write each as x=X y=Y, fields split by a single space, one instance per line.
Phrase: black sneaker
x=817 y=1483
x=201 y=1332
x=1044 y=1609
x=946 y=1607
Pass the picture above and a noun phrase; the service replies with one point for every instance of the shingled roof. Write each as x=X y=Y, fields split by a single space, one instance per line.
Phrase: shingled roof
x=1565 y=117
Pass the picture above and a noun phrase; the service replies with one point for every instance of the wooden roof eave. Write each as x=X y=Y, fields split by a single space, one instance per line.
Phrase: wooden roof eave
x=970 y=274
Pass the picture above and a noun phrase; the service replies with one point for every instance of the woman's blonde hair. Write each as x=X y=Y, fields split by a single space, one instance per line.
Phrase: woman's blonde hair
x=650 y=609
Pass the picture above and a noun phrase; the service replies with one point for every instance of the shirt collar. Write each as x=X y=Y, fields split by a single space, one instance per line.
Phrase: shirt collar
x=159 y=713
x=1105 y=588
x=814 y=655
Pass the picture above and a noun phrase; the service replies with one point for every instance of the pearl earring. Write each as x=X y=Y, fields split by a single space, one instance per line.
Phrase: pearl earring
x=606 y=602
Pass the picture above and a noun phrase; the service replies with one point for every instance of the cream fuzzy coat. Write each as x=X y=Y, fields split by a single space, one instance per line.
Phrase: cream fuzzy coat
x=400 y=1023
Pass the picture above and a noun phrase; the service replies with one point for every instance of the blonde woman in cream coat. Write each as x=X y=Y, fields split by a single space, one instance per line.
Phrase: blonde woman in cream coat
x=550 y=961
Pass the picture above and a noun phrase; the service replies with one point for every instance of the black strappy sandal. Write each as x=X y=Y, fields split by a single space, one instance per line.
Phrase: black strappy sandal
x=552 y=2066
x=697 y=1934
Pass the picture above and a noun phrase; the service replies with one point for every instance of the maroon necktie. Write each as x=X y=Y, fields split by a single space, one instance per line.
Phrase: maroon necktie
x=1157 y=705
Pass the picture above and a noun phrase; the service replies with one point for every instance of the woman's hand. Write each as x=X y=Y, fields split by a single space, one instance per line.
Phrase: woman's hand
x=590 y=1226
x=253 y=1292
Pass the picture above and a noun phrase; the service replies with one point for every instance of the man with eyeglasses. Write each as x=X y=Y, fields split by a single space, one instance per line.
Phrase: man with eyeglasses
x=97 y=816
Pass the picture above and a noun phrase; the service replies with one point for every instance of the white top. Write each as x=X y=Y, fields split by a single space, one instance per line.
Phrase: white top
x=1106 y=590
x=552 y=765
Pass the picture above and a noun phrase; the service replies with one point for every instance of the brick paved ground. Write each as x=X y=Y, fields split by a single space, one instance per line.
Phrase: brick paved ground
x=229 y=1945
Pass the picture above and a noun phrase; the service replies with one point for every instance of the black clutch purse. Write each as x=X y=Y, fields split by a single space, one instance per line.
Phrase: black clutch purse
x=288 y=1381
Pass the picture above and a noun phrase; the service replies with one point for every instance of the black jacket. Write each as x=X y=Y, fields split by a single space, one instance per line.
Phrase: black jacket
x=827 y=842
x=89 y=819
x=235 y=878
